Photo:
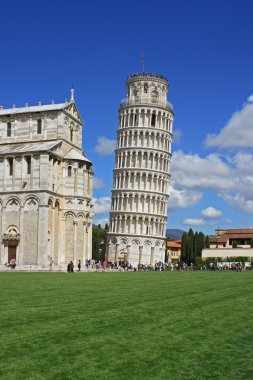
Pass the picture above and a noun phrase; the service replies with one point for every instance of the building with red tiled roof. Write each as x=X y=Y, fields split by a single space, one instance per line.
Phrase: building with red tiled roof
x=225 y=238
x=221 y=245
x=174 y=250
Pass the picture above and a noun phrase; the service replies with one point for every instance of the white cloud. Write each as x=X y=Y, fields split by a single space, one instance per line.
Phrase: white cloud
x=183 y=198
x=194 y=222
x=211 y=212
x=239 y=202
x=105 y=146
x=193 y=172
x=231 y=177
x=98 y=183
x=102 y=205
x=102 y=222
x=238 y=132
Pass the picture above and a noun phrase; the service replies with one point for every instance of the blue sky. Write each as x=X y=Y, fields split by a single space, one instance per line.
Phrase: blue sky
x=204 y=48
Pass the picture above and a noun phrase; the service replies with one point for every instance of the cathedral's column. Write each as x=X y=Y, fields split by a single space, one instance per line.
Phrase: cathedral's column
x=43 y=236
x=74 y=252
x=140 y=254
x=4 y=162
x=21 y=241
x=4 y=259
x=62 y=228
x=84 y=242
x=152 y=256
x=116 y=253
x=89 y=241
x=128 y=253
x=53 y=232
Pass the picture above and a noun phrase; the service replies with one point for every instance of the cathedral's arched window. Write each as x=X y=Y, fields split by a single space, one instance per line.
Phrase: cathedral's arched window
x=71 y=134
x=39 y=126
x=28 y=164
x=8 y=129
x=10 y=161
x=69 y=171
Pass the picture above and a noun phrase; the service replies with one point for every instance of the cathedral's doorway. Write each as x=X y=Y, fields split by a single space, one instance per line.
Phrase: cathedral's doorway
x=12 y=252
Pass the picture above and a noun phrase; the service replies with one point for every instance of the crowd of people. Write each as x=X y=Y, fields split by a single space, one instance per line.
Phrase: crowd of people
x=158 y=266
x=181 y=266
x=100 y=265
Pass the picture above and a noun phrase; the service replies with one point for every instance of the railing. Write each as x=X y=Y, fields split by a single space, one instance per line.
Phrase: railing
x=146 y=101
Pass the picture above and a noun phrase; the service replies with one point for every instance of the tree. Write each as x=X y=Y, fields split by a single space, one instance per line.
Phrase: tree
x=201 y=243
x=199 y=262
x=234 y=244
x=184 y=248
x=195 y=245
x=207 y=242
x=99 y=242
x=190 y=257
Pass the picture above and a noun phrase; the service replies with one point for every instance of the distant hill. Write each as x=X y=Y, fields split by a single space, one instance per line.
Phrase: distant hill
x=174 y=234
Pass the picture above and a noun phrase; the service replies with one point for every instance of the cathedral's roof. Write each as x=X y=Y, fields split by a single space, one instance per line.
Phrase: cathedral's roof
x=27 y=109
x=28 y=147
x=74 y=155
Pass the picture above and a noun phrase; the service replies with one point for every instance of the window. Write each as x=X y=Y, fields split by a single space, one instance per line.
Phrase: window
x=28 y=162
x=71 y=135
x=145 y=88
x=69 y=171
x=136 y=120
x=10 y=160
x=39 y=126
x=8 y=129
x=153 y=119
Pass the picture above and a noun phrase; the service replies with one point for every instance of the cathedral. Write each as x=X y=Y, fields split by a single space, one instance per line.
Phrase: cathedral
x=45 y=186
x=138 y=217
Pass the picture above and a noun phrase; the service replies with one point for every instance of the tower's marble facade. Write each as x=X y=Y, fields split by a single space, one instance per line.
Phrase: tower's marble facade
x=45 y=185
x=138 y=214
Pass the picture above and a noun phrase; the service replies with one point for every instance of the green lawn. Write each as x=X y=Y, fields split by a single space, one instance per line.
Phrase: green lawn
x=152 y=325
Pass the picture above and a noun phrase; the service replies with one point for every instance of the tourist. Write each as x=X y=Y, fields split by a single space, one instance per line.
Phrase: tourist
x=12 y=264
x=51 y=261
x=79 y=266
x=70 y=267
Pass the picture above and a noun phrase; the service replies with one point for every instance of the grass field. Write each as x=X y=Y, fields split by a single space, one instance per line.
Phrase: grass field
x=149 y=325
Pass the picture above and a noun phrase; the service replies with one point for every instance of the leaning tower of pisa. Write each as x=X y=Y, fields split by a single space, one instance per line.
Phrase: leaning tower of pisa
x=138 y=215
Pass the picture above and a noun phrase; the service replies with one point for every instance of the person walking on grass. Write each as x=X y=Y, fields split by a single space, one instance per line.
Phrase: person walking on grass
x=70 y=267
x=79 y=266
